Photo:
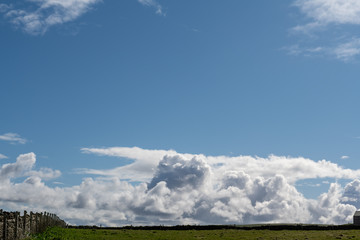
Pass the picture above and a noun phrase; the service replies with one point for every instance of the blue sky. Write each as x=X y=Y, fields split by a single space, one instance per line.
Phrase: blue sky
x=99 y=91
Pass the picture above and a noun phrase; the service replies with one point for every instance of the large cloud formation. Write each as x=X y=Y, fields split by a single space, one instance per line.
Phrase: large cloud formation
x=184 y=189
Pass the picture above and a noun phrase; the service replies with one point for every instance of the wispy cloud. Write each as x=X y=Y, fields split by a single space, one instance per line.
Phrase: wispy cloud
x=324 y=18
x=154 y=4
x=36 y=17
x=40 y=15
x=13 y=138
x=348 y=51
x=345 y=157
x=2 y=156
x=142 y=169
x=44 y=173
x=296 y=50
x=4 y=7
x=325 y=12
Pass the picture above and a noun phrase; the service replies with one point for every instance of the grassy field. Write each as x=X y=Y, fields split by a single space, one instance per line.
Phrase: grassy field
x=59 y=233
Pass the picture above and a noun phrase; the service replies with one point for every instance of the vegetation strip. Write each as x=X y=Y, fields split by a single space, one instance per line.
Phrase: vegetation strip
x=229 y=234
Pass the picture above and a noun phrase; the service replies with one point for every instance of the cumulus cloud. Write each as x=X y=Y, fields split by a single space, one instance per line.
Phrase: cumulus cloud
x=13 y=138
x=40 y=15
x=23 y=163
x=330 y=208
x=179 y=172
x=352 y=193
x=186 y=189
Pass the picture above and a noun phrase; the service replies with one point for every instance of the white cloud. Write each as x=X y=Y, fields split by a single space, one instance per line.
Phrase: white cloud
x=45 y=173
x=23 y=163
x=43 y=14
x=297 y=50
x=142 y=169
x=344 y=51
x=344 y=157
x=154 y=4
x=186 y=189
x=330 y=209
x=348 y=51
x=179 y=172
x=324 y=12
x=58 y=183
x=13 y=138
x=352 y=193
x=294 y=169
x=36 y=17
x=326 y=21
x=2 y=156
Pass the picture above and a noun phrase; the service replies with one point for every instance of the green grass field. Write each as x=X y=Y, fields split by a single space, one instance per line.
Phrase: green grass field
x=60 y=233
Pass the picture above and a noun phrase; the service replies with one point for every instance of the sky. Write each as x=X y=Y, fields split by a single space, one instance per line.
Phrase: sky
x=150 y=112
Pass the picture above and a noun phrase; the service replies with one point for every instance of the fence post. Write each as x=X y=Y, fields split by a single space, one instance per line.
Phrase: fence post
x=1 y=222
x=45 y=221
x=5 y=226
x=31 y=222
x=41 y=222
x=36 y=223
x=16 y=224
x=24 y=224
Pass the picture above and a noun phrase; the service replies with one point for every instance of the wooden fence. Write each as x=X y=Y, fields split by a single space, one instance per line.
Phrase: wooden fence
x=13 y=226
